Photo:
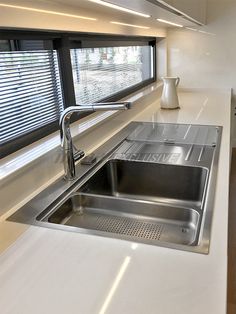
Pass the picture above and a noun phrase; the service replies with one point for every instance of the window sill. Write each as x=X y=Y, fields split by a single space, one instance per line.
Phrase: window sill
x=28 y=154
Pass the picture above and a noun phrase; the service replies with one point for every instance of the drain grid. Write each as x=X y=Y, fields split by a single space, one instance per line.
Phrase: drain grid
x=129 y=226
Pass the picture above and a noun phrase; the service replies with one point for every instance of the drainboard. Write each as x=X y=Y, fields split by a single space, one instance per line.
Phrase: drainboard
x=141 y=221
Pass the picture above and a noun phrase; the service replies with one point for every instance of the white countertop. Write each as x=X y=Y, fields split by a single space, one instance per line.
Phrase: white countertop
x=46 y=271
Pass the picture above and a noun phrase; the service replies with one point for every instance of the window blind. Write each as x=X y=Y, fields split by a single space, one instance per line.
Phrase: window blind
x=30 y=92
x=99 y=73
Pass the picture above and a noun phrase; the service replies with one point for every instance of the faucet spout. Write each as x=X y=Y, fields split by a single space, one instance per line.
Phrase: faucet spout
x=70 y=155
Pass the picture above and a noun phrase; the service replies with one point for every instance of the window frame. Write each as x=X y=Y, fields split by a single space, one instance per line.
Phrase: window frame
x=62 y=42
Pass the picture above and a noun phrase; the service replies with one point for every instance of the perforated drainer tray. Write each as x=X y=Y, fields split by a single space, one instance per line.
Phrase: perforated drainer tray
x=120 y=225
x=130 y=227
x=128 y=219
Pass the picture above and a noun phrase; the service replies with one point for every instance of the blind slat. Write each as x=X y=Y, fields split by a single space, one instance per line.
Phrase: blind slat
x=26 y=80
x=15 y=69
x=21 y=57
x=30 y=83
x=13 y=105
x=28 y=128
x=23 y=74
x=33 y=107
x=5 y=75
x=14 y=66
x=33 y=116
x=5 y=95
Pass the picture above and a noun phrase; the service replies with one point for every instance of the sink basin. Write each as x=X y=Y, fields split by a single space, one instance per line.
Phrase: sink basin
x=146 y=180
x=142 y=221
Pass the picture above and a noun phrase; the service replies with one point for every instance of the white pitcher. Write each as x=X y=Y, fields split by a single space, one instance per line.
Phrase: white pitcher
x=169 y=98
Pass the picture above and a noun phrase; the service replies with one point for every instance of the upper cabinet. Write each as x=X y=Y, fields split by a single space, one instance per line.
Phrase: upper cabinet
x=193 y=10
x=132 y=17
x=183 y=12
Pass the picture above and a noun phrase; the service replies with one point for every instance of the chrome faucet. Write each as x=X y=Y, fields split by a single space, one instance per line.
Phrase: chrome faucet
x=70 y=154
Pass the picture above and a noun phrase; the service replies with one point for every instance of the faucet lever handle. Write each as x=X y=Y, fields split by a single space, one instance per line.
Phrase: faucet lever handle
x=78 y=153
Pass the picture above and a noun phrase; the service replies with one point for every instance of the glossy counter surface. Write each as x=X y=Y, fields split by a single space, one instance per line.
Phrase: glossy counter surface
x=50 y=271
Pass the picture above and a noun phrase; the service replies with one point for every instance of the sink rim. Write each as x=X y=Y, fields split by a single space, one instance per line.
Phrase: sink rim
x=59 y=189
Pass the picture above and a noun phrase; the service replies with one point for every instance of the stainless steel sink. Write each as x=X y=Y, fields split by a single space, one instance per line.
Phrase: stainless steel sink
x=142 y=221
x=147 y=180
x=151 y=183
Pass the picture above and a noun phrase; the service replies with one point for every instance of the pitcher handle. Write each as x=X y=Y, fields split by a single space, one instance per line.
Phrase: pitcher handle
x=177 y=81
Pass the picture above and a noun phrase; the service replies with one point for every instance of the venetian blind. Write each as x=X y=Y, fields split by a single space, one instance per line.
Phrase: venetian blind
x=30 y=92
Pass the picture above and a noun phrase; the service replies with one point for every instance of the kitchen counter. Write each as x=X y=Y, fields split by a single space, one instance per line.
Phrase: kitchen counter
x=50 y=271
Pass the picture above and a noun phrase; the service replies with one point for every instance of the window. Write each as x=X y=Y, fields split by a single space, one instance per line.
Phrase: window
x=103 y=72
x=30 y=94
x=43 y=73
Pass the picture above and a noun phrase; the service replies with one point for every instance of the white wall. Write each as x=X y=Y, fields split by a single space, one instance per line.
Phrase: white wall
x=207 y=58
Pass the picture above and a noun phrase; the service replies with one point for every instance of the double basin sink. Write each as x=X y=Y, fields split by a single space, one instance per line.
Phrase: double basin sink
x=155 y=185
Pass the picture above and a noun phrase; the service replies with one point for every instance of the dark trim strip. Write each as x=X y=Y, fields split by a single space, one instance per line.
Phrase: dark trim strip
x=66 y=74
